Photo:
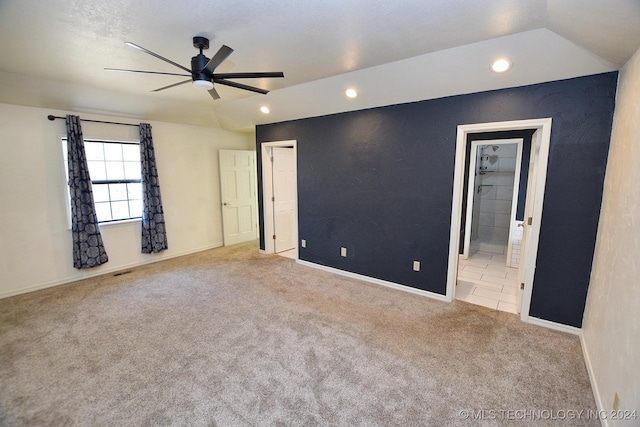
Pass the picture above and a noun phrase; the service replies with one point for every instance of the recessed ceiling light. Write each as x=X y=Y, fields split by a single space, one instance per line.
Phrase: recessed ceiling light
x=265 y=109
x=501 y=65
x=351 y=93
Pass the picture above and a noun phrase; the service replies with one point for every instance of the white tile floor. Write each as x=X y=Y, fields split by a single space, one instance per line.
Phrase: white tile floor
x=485 y=280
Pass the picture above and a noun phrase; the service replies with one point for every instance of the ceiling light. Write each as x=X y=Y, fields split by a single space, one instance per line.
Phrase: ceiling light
x=501 y=65
x=351 y=93
x=265 y=109
x=203 y=84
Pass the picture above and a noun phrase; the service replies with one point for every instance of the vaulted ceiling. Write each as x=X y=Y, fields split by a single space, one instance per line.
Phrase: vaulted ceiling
x=53 y=53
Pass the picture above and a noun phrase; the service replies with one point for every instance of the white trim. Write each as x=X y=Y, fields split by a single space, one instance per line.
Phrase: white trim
x=373 y=280
x=514 y=199
x=553 y=325
x=68 y=280
x=471 y=199
x=592 y=379
x=267 y=191
x=541 y=148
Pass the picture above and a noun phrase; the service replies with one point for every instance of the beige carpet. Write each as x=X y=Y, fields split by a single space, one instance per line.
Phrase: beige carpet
x=229 y=337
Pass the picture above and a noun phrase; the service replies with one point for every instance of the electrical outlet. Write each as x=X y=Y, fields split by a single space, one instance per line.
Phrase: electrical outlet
x=616 y=401
x=343 y=251
x=304 y=243
x=416 y=265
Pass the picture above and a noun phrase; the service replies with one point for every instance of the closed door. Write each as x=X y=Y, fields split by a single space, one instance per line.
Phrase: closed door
x=239 y=200
x=284 y=194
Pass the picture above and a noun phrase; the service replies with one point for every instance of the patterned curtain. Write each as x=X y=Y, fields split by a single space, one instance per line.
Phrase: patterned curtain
x=154 y=235
x=88 y=250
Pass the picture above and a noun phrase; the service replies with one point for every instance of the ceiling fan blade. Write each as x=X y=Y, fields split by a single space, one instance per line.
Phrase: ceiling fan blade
x=147 y=72
x=241 y=86
x=158 y=56
x=214 y=93
x=257 y=75
x=173 y=85
x=217 y=59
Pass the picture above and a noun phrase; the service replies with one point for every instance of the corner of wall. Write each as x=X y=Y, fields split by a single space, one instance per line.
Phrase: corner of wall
x=611 y=325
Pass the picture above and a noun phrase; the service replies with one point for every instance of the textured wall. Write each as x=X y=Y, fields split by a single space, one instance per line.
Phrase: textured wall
x=379 y=182
x=611 y=329
x=34 y=230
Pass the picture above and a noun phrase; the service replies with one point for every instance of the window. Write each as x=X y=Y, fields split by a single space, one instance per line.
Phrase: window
x=114 y=167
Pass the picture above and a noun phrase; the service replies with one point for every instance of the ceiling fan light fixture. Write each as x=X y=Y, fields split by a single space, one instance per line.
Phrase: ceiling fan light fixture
x=203 y=84
x=500 y=65
x=202 y=73
x=265 y=110
x=351 y=93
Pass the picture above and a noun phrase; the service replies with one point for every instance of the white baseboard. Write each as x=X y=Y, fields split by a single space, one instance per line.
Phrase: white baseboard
x=375 y=281
x=553 y=325
x=594 y=384
x=66 y=280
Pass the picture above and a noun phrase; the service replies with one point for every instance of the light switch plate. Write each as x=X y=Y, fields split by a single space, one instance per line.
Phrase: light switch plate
x=416 y=265
x=343 y=251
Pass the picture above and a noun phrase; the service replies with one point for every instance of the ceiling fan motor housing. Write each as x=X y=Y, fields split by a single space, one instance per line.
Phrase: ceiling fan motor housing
x=198 y=70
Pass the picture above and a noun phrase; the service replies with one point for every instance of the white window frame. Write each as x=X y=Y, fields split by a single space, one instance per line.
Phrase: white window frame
x=94 y=182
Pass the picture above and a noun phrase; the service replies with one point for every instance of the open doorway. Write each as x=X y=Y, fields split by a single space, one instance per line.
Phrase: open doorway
x=280 y=197
x=492 y=196
x=488 y=268
x=462 y=230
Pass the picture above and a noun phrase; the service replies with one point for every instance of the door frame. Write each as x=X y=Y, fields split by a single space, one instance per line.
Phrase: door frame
x=471 y=190
x=267 y=192
x=540 y=148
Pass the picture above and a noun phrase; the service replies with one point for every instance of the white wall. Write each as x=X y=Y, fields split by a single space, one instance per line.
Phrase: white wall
x=35 y=242
x=611 y=327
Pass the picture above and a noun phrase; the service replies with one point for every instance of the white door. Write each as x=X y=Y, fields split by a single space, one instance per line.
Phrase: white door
x=524 y=268
x=284 y=195
x=238 y=193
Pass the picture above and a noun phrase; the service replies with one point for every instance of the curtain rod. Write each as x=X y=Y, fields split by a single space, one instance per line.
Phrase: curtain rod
x=52 y=118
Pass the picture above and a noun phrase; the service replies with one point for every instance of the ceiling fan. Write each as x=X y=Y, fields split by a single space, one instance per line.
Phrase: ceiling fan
x=202 y=72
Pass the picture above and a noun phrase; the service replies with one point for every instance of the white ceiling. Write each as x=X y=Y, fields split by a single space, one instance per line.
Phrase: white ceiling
x=53 y=53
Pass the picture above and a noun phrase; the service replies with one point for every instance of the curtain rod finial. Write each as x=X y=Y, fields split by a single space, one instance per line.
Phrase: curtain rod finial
x=51 y=117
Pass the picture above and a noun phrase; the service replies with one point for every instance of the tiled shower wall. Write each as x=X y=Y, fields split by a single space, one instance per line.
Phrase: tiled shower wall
x=495 y=191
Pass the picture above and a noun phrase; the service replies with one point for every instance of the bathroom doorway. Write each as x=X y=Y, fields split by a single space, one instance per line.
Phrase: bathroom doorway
x=491 y=267
x=280 y=206
x=492 y=197
x=487 y=274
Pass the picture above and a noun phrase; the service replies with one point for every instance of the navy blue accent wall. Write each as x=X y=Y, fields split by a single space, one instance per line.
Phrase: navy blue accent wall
x=380 y=181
